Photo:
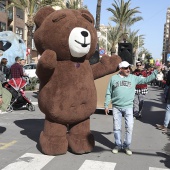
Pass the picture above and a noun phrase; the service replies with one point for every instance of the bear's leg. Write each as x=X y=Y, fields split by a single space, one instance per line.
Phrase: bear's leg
x=53 y=140
x=80 y=139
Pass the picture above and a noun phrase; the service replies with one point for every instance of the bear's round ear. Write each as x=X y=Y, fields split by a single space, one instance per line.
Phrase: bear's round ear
x=87 y=15
x=42 y=14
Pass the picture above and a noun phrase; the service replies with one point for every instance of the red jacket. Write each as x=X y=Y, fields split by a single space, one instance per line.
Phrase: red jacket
x=142 y=73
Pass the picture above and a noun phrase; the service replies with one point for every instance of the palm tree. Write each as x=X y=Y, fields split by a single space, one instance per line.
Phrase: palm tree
x=98 y=11
x=137 y=42
x=113 y=36
x=123 y=16
x=75 y=4
x=147 y=54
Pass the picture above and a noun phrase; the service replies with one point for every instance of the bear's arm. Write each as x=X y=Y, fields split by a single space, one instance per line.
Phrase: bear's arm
x=46 y=66
x=106 y=65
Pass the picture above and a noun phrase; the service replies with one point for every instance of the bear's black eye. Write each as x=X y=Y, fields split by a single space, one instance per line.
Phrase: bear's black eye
x=59 y=18
x=87 y=18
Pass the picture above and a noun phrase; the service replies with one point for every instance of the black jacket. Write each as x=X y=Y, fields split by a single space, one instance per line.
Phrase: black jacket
x=5 y=70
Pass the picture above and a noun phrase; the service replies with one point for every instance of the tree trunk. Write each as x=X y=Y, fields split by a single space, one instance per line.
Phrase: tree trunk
x=98 y=11
x=29 y=42
x=113 y=50
x=29 y=37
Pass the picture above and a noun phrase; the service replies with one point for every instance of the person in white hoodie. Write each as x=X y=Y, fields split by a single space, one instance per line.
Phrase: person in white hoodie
x=159 y=78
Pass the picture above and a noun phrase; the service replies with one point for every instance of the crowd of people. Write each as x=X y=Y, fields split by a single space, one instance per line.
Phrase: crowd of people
x=15 y=71
x=6 y=73
x=126 y=91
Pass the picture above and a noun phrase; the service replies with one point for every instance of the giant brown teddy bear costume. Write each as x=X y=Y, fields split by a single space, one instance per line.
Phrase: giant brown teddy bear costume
x=67 y=39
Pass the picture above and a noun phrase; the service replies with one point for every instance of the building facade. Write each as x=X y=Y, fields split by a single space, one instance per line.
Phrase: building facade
x=12 y=19
x=166 y=38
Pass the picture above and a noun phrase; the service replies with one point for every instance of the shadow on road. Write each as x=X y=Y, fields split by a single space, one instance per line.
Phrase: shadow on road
x=31 y=127
x=2 y=129
x=156 y=117
x=98 y=136
x=35 y=96
x=166 y=160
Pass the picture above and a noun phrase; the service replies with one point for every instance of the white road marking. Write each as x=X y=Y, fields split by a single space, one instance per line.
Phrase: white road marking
x=152 y=168
x=29 y=161
x=97 y=165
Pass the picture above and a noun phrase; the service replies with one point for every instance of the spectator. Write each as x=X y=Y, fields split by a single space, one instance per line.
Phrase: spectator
x=23 y=62
x=167 y=116
x=25 y=75
x=5 y=70
x=159 y=78
x=121 y=91
x=166 y=86
x=153 y=82
x=16 y=69
x=140 y=91
x=5 y=98
x=164 y=71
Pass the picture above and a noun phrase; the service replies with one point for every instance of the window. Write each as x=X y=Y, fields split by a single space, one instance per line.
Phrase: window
x=10 y=13
x=2 y=26
x=2 y=6
x=20 y=13
x=19 y=31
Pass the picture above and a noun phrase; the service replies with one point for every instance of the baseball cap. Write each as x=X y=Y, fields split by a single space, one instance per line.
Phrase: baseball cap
x=124 y=64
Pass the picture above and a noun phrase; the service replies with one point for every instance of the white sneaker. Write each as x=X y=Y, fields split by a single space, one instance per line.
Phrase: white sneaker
x=116 y=149
x=128 y=151
x=2 y=112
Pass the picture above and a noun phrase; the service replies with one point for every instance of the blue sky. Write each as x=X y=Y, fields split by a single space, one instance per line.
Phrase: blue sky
x=152 y=25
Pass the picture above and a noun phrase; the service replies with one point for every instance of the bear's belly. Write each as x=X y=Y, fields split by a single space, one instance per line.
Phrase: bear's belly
x=68 y=103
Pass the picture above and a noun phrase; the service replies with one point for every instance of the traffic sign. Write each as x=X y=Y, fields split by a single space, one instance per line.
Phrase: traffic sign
x=102 y=51
x=168 y=57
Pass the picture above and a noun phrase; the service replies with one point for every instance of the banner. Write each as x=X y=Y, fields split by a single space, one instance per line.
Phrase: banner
x=168 y=57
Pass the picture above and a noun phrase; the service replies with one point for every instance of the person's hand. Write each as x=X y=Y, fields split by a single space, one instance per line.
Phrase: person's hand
x=1 y=101
x=106 y=111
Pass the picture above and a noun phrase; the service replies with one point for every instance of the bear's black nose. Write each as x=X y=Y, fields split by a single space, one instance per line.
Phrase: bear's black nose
x=84 y=33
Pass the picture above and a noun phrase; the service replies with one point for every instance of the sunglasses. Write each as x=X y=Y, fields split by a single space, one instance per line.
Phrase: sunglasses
x=125 y=68
x=138 y=65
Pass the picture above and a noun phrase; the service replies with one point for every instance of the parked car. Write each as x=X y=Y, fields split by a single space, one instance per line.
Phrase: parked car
x=30 y=70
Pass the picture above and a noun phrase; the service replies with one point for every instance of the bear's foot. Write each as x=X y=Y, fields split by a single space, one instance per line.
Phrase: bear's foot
x=53 y=145
x=81 y=143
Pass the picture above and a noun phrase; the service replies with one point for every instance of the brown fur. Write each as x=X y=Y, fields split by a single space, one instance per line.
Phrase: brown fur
x=67 y=93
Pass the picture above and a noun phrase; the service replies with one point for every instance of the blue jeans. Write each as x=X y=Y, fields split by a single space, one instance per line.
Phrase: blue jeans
x=167 y=116
x=117 y=125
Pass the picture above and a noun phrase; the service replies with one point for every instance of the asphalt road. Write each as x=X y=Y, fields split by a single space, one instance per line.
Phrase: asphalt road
x=20 y=129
